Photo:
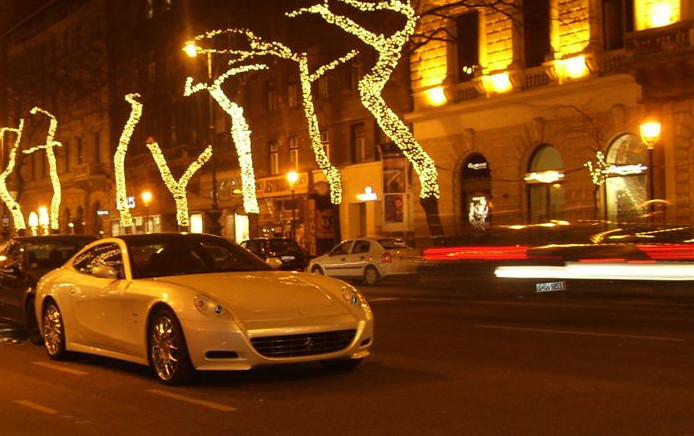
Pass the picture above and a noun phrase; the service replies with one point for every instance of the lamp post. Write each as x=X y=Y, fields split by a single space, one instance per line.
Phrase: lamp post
x=650 y=134
x=146 y=199
x=213 y=213
x=292 y=177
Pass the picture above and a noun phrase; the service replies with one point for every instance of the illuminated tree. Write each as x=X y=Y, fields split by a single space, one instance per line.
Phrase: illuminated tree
x=260 y=47
x=52 y=165
x=389 y=50
x=12 y=205
x=240 y=132
x=178 y=188
x=126 y=218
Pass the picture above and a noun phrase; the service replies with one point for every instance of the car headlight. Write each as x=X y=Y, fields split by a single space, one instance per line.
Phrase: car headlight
x=351 y=295
x=208 y=306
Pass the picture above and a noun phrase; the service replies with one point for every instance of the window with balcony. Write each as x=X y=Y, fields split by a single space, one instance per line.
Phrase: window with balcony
x=323 y=90
x=293 y=153
x=536 y=32
x=274 y=158
x=270 y=96
x=325 y=141
x=617 y=20
x=467 y=45
x=356 y=72
x=358 y=143
x=293 y=94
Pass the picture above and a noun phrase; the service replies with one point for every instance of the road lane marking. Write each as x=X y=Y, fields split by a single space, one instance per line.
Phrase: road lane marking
x=61 y=368
x=37 y=407
x=581 y=333
x=208 y=404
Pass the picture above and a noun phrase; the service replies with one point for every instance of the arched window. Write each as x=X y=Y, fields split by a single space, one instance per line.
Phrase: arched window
x=544 y=185
x=476 y=191
x=626 y=188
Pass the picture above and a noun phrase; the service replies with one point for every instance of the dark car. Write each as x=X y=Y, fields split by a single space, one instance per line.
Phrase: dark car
x=285 y=249
x=23 y=261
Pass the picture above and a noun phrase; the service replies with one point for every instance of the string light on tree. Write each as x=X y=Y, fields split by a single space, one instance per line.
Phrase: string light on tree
x=14 y=207
x=126 y=218
x=178 y=188
x=598 y=170
x=260 y=47
x=389 y=49
x=52 y=165
x=240 y=132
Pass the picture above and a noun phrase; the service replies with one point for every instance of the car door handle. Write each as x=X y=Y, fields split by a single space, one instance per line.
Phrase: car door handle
x=362 y=258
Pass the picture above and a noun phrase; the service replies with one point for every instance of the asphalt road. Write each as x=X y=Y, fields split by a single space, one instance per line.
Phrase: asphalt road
x=442 y=365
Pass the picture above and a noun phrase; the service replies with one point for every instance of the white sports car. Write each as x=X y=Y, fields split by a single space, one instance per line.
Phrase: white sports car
x=186 y=302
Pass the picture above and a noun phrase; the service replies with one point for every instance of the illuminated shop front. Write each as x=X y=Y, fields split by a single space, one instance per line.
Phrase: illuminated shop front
x=544 y=184
x=626 y=187
x=476 y=190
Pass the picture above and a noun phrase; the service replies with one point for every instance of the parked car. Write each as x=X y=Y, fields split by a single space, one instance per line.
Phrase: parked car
x=23 y=261
x=186 y=302
x=368 y=259
x=285 y=249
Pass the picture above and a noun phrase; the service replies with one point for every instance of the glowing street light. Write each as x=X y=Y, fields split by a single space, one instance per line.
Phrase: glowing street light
x=292 y=178
x=213 y=214
x=650 y=134
x=146 y=199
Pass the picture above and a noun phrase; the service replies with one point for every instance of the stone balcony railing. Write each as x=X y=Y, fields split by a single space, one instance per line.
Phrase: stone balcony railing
x=674 y=38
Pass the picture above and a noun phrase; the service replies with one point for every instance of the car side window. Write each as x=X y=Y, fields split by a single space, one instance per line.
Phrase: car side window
x=361 y=247
x=342 y=248
x=108 y=254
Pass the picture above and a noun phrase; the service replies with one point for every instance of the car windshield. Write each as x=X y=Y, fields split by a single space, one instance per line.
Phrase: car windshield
x=168 y=257
x=283 y=246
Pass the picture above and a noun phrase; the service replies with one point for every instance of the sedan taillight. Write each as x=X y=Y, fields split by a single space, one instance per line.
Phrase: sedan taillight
x=386 y=257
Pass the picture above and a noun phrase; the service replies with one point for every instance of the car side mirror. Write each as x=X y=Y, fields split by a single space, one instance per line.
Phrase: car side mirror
x=12 y=268
x=105 y=272
x=274 y=262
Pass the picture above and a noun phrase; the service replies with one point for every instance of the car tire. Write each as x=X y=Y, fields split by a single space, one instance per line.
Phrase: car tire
x=167 y=350
x=317 y=270
x=33 y=332
x=341 y=365
x=371 y=276
x=54 y=332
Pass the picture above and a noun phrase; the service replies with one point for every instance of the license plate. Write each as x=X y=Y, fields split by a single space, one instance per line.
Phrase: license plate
x=551 y=286
x=287 y=258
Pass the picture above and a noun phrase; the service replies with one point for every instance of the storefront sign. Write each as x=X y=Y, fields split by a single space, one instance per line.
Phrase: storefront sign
x=478 y=166
x=544 y=177
x=367 y=195
x=625 y=170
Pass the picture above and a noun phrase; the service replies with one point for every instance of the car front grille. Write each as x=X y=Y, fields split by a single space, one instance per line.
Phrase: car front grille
x=303 y=344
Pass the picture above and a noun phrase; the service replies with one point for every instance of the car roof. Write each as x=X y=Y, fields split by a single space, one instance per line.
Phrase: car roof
x=168 y=237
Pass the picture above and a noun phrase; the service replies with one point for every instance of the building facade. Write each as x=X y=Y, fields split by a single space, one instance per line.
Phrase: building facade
x=534 y=113
x=79 y=62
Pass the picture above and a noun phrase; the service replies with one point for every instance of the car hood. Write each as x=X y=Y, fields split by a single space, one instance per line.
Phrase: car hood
x=262 y=295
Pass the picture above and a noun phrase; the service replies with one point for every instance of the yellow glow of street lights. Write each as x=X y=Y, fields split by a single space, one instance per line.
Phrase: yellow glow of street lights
x=191 y=49
x=292 y=177
x=650 y=133
x=146 y=197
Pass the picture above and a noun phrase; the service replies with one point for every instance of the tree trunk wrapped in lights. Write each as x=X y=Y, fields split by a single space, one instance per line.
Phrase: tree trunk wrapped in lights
x=240 y=132
x=389 y=49
x=178 y=188
x=14 y=207
x=52 y=166
x=126 y=218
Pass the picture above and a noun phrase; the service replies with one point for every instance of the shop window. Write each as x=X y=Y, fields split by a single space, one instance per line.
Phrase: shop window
x=476 y=190
x=626 y=188
x=617 y=19
x=544 y=185
x=536 y=31
x=467 y=45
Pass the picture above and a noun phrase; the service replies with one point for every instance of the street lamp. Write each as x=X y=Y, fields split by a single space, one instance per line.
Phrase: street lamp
x=146 y=199
x=213 y=213
x=650 y=134
x=292 y=177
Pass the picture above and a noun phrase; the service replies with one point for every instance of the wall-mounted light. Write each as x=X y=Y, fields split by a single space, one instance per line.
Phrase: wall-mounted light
x=436 y=96
x=573 y=68
x=498 y=83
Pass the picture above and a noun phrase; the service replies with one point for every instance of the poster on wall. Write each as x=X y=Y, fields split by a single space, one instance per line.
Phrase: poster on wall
x=479 y=211
x=395 y=208
x=394 y=175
